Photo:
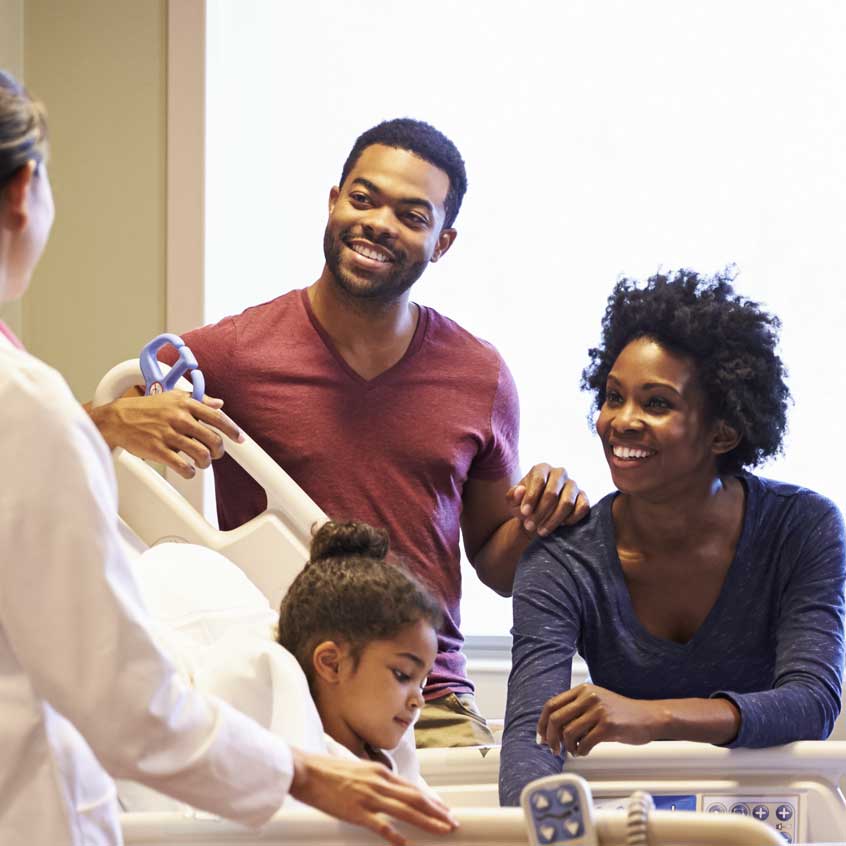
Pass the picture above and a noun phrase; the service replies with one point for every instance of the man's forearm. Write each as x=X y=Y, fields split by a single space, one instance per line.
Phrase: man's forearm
x=496 y=561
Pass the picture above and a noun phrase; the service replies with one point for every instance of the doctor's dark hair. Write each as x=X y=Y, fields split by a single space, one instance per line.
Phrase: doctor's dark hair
x=349 y=593
x=731 y=341
x=426 y=142
x=23 y=128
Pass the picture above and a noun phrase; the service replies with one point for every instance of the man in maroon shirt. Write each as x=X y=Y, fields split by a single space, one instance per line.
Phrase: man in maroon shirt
x=381 y=409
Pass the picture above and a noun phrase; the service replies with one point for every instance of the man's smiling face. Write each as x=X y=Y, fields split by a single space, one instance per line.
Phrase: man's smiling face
x=385 y=224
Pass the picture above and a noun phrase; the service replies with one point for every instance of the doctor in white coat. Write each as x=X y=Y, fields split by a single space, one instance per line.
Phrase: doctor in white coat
x=84 y=692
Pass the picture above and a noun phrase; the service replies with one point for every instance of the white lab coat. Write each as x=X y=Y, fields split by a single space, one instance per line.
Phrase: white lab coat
x=83 y=688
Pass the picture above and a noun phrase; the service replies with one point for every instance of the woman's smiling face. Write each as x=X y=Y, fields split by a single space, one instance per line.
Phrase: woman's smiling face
x=653 y=424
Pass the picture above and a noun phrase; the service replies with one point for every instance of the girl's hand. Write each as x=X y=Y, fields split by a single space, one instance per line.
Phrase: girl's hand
x=583 y=716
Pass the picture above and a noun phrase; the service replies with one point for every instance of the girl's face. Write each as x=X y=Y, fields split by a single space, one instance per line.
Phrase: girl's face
x=377 y=700
x=653 y=426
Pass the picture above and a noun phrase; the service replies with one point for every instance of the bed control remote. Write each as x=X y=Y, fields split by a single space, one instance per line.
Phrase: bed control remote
x=559 y=811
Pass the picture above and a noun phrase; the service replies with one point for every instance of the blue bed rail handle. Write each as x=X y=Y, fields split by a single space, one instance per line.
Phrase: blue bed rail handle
x=155 y=381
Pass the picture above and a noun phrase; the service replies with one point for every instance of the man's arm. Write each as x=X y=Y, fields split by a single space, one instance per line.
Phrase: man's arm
x=500 y=518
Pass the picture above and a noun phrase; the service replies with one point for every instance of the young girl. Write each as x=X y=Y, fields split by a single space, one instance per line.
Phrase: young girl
x=364 y=632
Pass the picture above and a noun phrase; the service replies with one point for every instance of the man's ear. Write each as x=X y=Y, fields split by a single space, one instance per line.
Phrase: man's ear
x=445 y=241
x=326 y=660
x=334 y=193
x=725 y=438
x=14 y=204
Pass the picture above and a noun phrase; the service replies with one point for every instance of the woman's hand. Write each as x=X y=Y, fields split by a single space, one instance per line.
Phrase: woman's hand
x=366 y=793
x=583 y=716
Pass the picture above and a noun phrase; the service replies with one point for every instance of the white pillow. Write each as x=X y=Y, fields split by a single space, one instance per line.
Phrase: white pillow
x=200 y=594
x=219 y=629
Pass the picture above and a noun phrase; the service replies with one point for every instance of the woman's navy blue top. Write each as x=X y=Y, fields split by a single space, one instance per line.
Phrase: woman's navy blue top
x=772 y=643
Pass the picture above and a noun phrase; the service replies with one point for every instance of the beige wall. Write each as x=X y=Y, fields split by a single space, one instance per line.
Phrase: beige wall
x=98 y=294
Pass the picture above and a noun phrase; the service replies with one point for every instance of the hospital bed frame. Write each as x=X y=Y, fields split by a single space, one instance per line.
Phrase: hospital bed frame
x=803 y=777
x=272 y=548
x=479 y=827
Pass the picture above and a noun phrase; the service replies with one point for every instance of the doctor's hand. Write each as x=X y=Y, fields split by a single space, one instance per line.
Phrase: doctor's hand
x=171 y=428
x=366 y=793
x=545 y=498
x=585 y=715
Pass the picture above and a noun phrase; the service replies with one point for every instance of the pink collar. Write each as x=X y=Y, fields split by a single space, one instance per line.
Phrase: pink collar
x=7 y=333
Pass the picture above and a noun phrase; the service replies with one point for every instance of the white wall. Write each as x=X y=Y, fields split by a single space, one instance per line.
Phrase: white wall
x=600 y=137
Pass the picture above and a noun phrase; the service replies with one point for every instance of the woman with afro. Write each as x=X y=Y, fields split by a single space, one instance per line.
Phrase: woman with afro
x=708 y=602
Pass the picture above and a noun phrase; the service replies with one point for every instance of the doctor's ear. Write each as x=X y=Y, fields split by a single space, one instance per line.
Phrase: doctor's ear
x=14 y=201
x=725 y=438
x=326 y=660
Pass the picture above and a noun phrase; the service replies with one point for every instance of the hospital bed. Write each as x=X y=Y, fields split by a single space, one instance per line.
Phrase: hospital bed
x=272 y=548
x=793 y=789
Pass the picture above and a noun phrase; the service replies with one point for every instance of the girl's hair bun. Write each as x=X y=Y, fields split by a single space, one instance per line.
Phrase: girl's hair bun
x=337 y=540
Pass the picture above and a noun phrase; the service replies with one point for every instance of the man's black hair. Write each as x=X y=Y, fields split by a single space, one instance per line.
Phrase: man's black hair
x=424 y=141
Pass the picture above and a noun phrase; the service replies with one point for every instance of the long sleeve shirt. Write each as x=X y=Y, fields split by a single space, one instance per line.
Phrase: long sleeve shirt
x=772 y=643
x=84 y=691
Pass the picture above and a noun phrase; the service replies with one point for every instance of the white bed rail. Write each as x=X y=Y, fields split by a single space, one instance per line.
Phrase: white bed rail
x=271 y=548
x=819 y=758
x=479 y=827
x=804 y=776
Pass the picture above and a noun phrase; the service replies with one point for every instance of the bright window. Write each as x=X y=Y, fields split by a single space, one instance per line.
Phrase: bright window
x=601 y=138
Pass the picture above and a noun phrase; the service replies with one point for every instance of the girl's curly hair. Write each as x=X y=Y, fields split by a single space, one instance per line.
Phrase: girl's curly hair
x=731 y=341
x=349 y=592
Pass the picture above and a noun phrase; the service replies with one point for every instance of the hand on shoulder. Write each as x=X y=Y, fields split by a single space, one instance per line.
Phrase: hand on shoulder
x=546 y=498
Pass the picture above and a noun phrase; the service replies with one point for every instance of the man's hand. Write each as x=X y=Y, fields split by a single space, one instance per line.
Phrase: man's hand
x=364 y=793
x=583 y=716
x=161 y=427
x=545 y=498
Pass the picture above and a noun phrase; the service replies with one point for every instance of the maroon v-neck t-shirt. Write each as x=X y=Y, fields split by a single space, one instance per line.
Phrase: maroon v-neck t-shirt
x=394 y=451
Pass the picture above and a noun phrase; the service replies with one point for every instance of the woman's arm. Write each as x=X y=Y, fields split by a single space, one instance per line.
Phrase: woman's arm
x=576 y=720
x=546 y=628
x=804 y=701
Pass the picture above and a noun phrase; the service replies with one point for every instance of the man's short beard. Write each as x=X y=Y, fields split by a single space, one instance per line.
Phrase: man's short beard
x=385 y=291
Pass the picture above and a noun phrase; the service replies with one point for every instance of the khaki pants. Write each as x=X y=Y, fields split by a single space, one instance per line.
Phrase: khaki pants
x=452 y=720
